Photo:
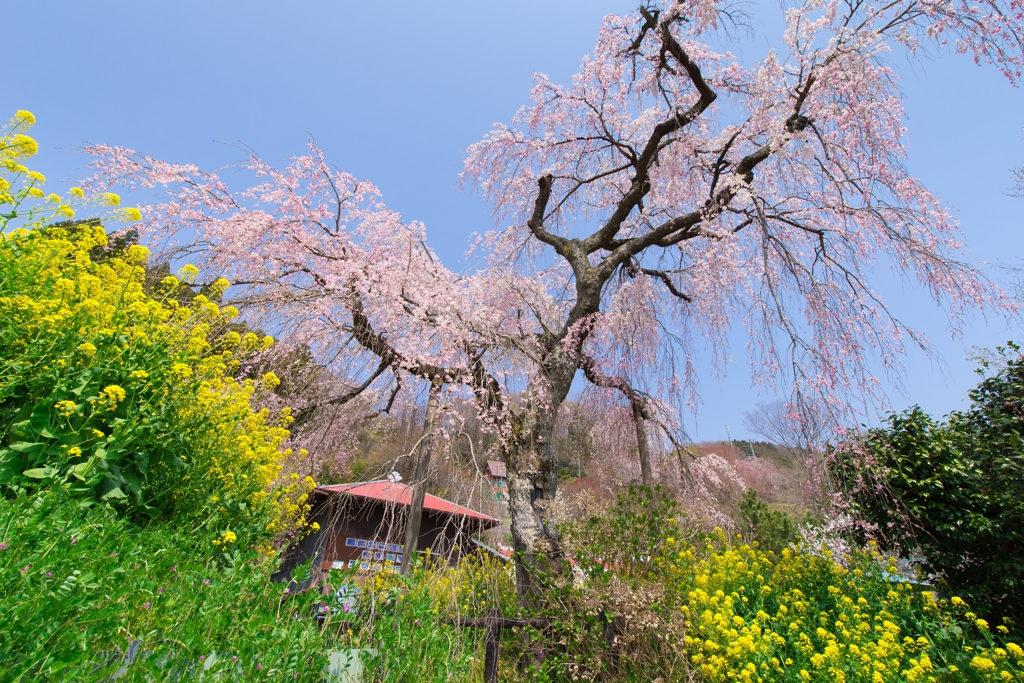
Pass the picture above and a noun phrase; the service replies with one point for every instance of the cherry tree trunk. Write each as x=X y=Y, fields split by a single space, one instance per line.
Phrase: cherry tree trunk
x=419 y=483
x=646 y=474
x=533 y=539
x=533 y=476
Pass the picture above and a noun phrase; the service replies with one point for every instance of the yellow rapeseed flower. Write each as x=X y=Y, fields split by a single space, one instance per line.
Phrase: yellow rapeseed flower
x=22 y=146
x=66 y=407
x=180 y=371
x=188 y=272
x=113 y=392
x=137 y=254
x=237 y=451
x=983 y=664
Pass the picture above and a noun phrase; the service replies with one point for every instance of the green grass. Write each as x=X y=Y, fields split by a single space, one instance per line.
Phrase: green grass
x=78 y=586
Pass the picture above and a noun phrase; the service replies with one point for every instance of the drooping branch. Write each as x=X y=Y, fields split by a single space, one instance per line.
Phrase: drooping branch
x=377 y=344
x=341 y=399
x=641 y=407
x=663 y=276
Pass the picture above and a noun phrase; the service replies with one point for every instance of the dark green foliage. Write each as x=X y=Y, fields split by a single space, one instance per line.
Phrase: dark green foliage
x=954 y=488
x=772 y=529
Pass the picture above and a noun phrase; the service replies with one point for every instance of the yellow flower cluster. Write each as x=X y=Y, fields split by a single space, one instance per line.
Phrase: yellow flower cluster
x=717 y=613
x=114 y=393
x=470 y=588
x=166 y=366
x=807 y=618
x=21 y=193
x=226 y=538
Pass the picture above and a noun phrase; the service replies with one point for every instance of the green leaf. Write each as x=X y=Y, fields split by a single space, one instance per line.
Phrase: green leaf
x=19 y=427
x=23 y=446
x=82 y=469
x=39 y=473
x=114 y=493
x=40 y=419
x=134 y=485
x=82 y=384
x=7 y=473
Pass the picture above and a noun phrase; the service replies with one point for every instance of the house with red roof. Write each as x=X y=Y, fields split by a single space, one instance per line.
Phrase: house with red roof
x=362 y=528
x=496 y=474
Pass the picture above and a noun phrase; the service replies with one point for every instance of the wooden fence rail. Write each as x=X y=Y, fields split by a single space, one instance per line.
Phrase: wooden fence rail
x=494 y=623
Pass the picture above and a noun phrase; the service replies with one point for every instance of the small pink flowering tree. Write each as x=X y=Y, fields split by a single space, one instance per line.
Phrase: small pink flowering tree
x=668 y=192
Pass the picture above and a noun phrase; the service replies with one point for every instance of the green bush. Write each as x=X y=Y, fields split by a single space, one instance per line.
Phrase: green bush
x=405 y=628
x=952 y=489
x=647 y=603
x=772 y=529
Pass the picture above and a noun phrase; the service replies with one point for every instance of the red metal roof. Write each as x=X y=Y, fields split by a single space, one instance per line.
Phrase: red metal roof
x=400 y=494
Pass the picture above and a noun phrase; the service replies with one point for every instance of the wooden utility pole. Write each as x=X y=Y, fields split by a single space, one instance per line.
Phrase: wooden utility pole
x=419 y=483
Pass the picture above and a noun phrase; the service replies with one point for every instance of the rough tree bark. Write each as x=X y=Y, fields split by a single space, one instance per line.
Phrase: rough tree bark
x=646 y=474
x=532 y=477
x=419 y=483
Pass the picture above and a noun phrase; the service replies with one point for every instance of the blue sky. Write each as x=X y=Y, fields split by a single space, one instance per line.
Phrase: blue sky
x=395 y=93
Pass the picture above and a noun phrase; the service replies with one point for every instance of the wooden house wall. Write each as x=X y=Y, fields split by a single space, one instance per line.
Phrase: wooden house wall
x=341 y=517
